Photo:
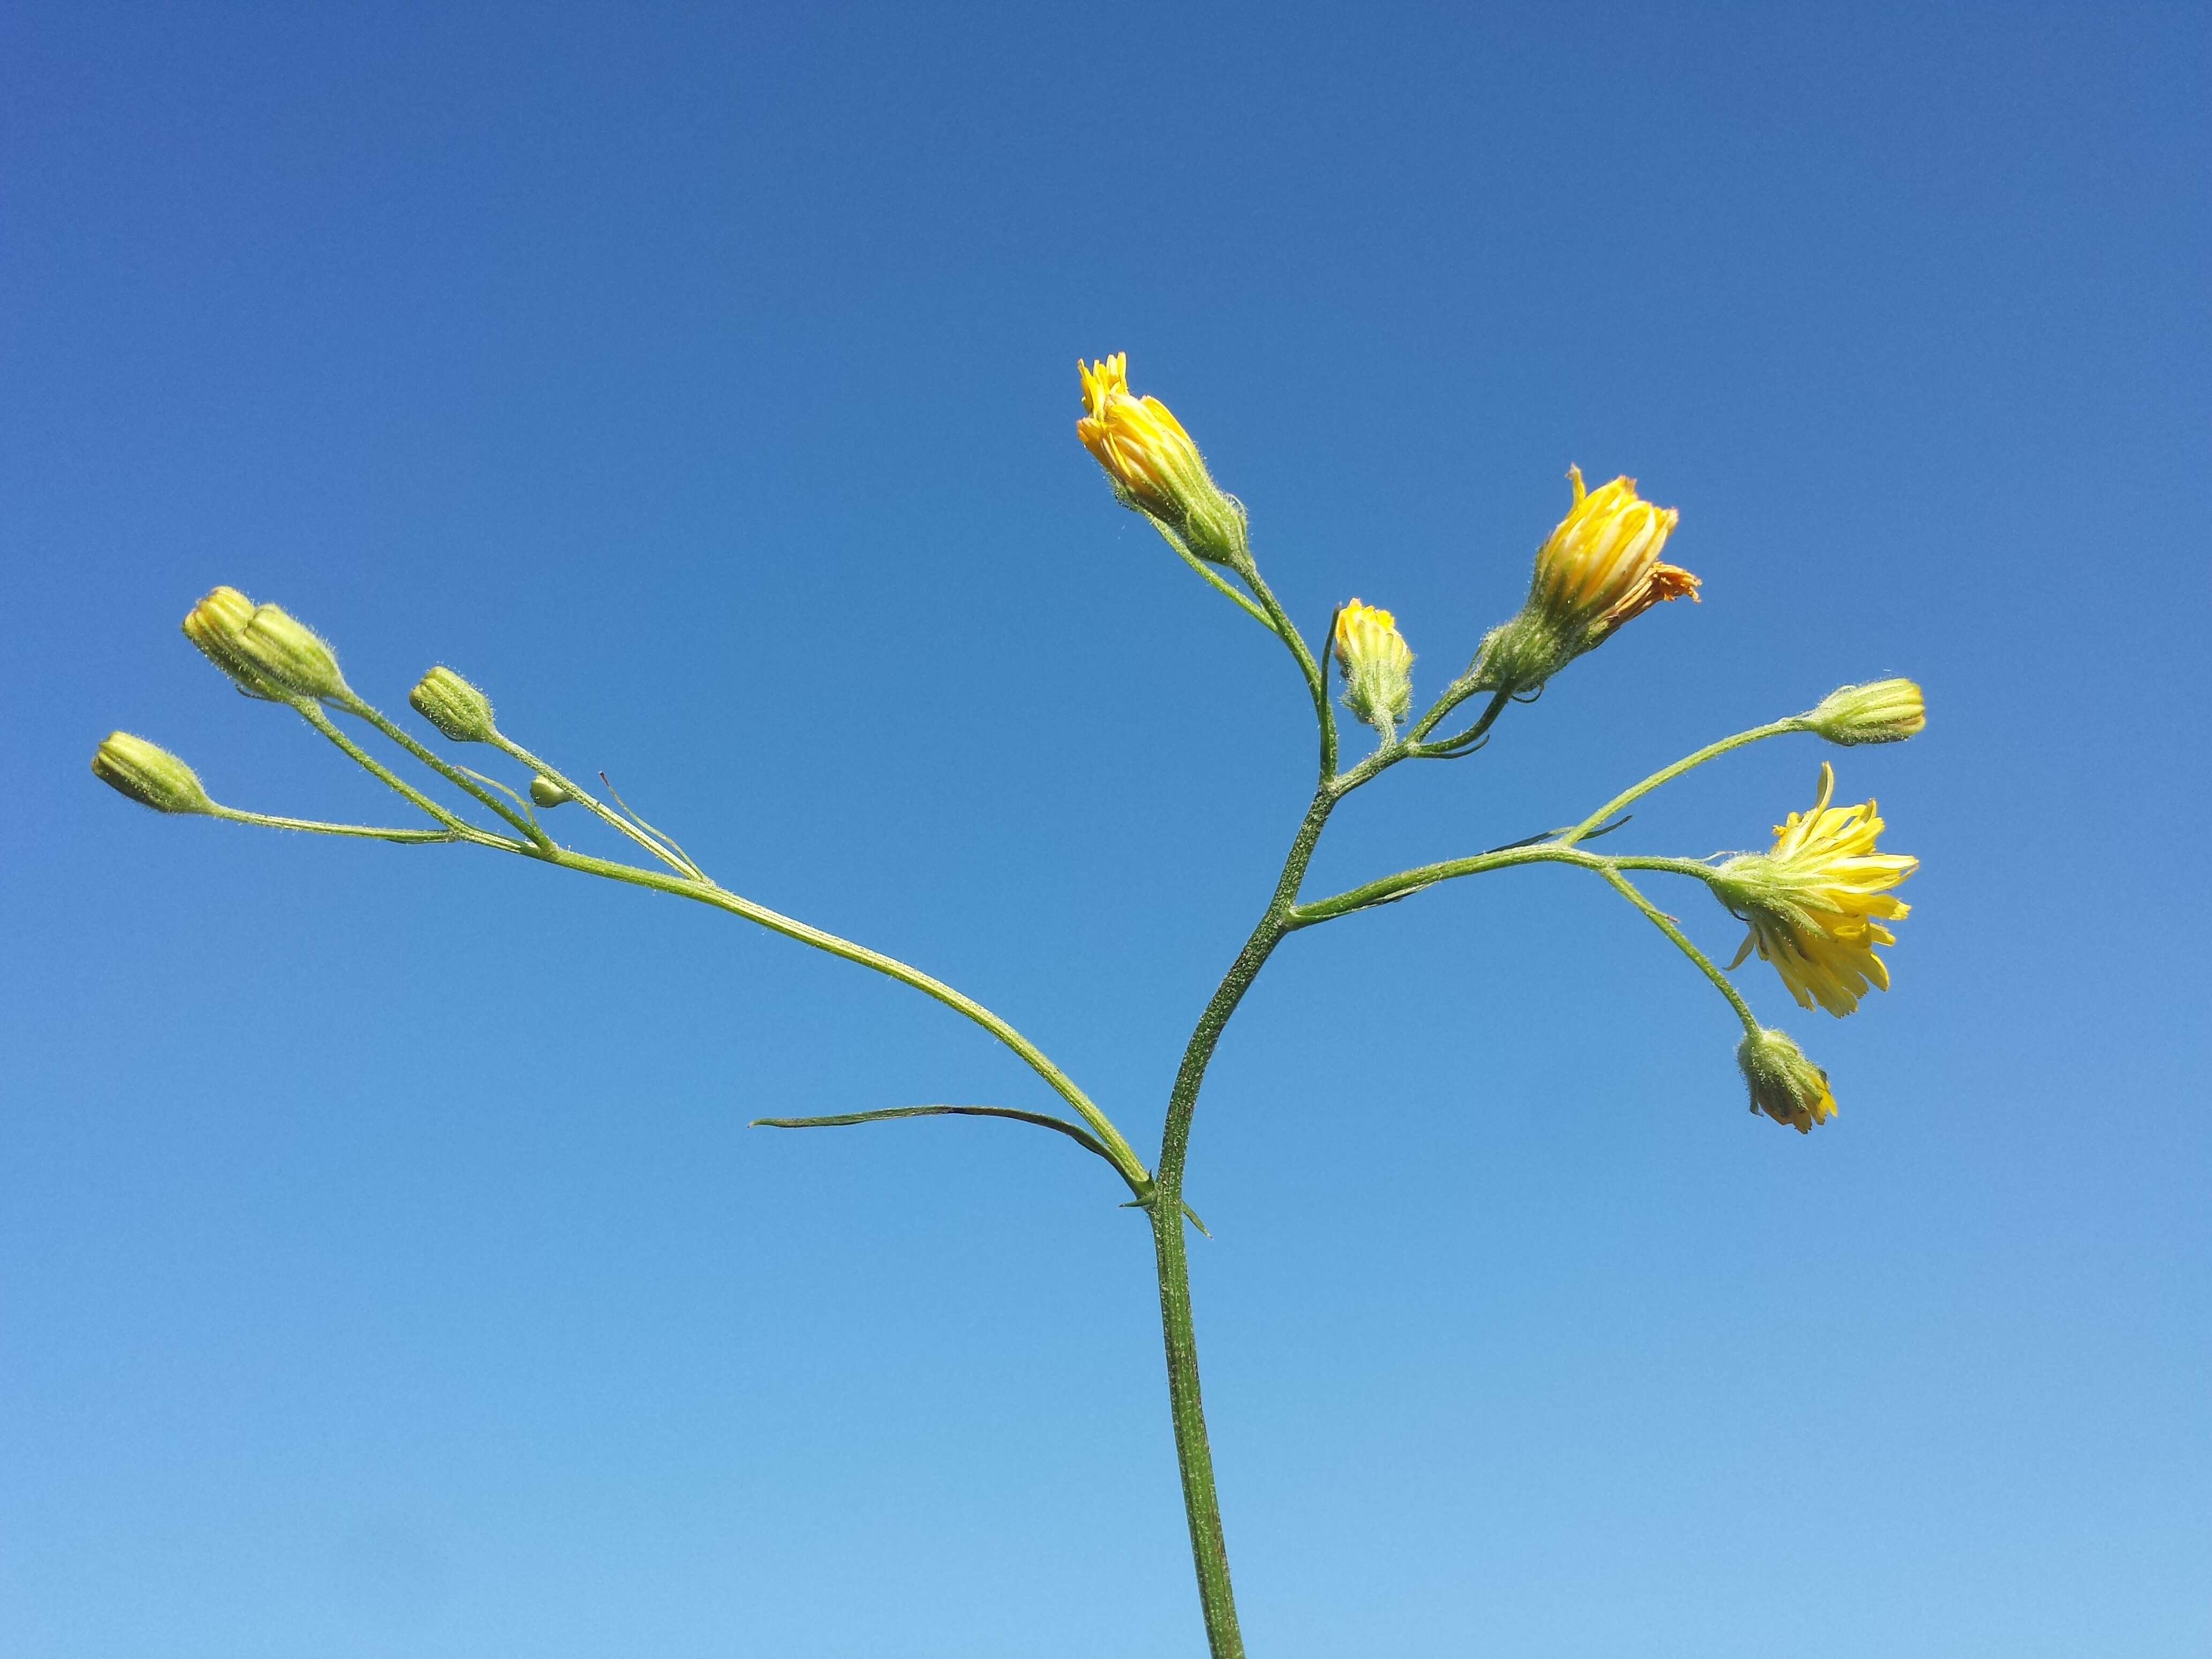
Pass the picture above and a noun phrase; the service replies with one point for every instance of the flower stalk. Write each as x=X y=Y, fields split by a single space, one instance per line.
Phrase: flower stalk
x=1810 y=902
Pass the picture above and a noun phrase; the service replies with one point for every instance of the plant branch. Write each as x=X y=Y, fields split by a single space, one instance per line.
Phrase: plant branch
x=702 y=891
x=458 y=776
x=461 y=828
x=366 y=831
x=1668 y=774
x=1214 y=578
x=1666 y=924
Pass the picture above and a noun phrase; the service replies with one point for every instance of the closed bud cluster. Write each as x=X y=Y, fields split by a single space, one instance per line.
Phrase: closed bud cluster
x=1154 y=466
x=268 y=653
x=1599 y=569
x=1784 y=1085
x=1886 y=711
x=149 y=775
x=453 y=706
x=546 y=793
x=1378 y=682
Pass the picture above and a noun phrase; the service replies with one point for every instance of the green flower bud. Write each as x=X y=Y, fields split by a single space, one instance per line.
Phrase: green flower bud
x=546 y=793
x=292 y=655
x=270 y=653
x=149 y=775
x=217 y=626
x=1886 y=711
x=1784 y=1085
x=1378 y=685
x=453 y=706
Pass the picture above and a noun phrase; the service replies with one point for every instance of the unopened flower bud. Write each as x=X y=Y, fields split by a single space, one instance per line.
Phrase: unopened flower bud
x=1599 y=569
x=217 y=626
x=268 y=653
x=1378 y=683
x=453 y=706
x=1784 y=1085
x=149 y=775
x=1154 y=466
x=546 y=793
x=1886 y=711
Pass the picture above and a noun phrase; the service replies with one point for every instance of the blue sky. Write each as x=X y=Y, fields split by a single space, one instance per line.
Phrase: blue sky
x=387 y=1268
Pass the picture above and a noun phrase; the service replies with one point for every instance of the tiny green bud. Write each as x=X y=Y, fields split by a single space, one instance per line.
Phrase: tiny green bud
x=453 y=706
x=149 y=775
x=1886 y=711
x=1784 y=1085
x=546 y=793
x=270 y=653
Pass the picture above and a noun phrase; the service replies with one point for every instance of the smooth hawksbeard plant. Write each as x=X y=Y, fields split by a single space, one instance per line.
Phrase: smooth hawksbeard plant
x=1816 y=903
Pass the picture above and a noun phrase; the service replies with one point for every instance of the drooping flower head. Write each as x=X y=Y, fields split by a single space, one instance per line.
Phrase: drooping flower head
x=1784 y=1085
x=1378 y=685
x=1600 y=569
x=1813 y=901
x=1153 y=464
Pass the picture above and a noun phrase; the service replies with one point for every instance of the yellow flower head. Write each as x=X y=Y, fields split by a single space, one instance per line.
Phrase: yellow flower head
x=1784 y=1085
x=1152 y=463
x=1813 y=900
x=1378 y=683
x=1601 y=566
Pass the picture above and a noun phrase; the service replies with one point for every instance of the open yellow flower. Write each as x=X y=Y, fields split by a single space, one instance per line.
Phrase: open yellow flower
x=1601 y=566
x=1813 y=901
x=1378 y=685
x=1152 y=463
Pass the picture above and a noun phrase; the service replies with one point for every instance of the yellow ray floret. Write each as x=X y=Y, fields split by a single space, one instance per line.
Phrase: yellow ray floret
x=1601 y=566
x=1813 y=901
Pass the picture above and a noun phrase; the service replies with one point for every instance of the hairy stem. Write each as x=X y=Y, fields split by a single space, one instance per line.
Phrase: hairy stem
x=1665 y=923
x=1194 y=1454
x=1669 y=773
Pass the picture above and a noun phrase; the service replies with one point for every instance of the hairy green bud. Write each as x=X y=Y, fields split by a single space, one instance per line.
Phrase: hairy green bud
x=149 y=775
x=546 y=793
x=1886 y=711
x=453 y=706
x=1378 y=685
x=268 y=653
x=1784 y=1085
x=217 y=626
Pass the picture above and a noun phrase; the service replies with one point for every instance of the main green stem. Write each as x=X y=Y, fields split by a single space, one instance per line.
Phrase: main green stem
x=1193 y=1456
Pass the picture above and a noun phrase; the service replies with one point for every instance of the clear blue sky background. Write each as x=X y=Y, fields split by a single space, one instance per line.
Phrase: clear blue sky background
x=387 y=1267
